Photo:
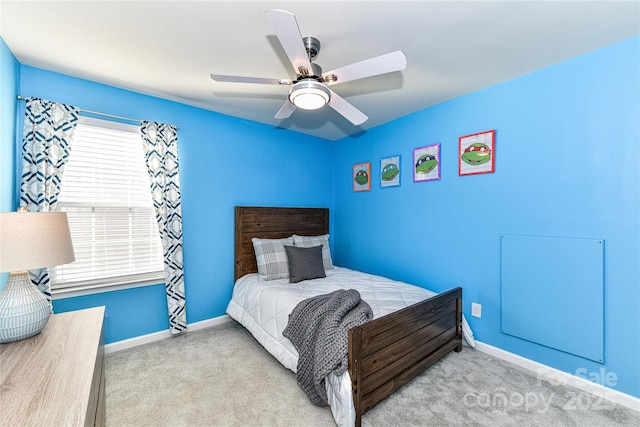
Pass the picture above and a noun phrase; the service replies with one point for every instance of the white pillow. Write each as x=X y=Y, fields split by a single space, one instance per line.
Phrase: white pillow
x=271 y=257
x=310 y=241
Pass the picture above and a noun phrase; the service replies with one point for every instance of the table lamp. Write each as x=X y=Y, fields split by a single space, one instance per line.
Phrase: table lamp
x=29 y=240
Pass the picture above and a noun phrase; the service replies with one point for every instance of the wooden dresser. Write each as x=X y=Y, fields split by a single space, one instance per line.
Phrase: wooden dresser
x=56 y=378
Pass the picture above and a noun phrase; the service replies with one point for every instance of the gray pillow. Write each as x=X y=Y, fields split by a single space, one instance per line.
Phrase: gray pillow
x=305 y=263
x=308 y=241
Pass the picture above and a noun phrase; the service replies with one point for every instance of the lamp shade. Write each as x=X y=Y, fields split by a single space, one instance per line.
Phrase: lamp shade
x=32 y=240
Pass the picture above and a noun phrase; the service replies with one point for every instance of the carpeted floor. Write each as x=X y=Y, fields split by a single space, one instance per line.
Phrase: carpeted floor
x=221 y=376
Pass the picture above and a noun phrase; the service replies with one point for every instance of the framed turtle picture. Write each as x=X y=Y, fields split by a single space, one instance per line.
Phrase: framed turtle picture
x=362 y=176
x=426 y=163
x=390 y=172
x=477 y=153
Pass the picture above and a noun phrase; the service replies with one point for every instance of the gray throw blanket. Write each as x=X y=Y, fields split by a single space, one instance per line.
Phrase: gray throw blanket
x=318 y=328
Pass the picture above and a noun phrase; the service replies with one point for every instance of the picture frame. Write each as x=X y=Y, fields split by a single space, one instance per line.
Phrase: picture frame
x=426 y=163
x=476 y=153
x=361 y=176
x=390 y=171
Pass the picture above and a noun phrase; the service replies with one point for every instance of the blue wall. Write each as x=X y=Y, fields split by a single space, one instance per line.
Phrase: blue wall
x=224 y=162
x=9 y=83
x=566 y=165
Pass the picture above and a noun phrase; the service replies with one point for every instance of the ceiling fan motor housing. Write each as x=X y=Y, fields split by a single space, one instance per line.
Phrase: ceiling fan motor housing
x=315 y=73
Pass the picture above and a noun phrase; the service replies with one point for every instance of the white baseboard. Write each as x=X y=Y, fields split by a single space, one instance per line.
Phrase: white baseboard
x=157 y=336
x=555 y=377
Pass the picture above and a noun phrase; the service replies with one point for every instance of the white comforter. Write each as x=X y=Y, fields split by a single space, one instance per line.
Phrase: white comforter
x=263 y=307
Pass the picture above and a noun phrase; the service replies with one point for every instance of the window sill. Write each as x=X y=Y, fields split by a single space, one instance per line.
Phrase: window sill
x=93 y=288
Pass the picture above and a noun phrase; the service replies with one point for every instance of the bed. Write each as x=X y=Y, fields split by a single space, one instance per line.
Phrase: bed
x=406 y=336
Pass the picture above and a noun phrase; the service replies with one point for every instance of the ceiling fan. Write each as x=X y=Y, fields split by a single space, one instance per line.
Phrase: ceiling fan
x=310 y=89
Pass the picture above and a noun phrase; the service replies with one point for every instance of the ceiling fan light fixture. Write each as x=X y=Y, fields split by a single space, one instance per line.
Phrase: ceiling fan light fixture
x=309 y=95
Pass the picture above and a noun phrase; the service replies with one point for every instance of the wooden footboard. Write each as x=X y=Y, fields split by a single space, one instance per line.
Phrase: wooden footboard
x=390 y=351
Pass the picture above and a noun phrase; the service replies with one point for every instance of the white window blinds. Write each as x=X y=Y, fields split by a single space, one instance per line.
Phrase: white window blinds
x=105 y=192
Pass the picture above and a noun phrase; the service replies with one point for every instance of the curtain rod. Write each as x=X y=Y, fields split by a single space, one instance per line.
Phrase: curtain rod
x=22 y=98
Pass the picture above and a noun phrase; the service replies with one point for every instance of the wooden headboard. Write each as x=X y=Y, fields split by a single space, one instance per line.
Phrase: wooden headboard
x=272 y=223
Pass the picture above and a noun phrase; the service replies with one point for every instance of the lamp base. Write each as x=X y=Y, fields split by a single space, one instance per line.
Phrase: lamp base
x=24 y=310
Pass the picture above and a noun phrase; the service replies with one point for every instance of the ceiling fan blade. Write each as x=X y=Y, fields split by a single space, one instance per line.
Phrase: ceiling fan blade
x=350 y=112
x=242 y=79
x=394 y=61
x=286 y=27
x=285 y=112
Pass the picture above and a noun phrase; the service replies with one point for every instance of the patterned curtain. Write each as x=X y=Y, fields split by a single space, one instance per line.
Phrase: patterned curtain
x=46 y=143
x=160 y=142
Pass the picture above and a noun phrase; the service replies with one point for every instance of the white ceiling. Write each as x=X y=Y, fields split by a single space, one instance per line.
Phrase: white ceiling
x=168 y=48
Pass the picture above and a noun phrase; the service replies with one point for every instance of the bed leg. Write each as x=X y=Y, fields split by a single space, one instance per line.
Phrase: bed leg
x=355 y=349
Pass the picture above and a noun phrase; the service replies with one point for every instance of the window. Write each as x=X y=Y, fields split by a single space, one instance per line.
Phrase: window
x=105 y=192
